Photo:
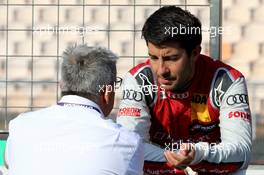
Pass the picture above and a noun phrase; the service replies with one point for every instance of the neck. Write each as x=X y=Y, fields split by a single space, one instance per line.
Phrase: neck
x=188 y=81
x=102 y=107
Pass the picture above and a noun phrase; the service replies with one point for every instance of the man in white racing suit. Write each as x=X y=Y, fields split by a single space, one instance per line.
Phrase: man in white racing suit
x=189 y=109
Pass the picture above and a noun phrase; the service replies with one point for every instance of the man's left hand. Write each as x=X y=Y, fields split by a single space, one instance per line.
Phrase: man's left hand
x=183 y=157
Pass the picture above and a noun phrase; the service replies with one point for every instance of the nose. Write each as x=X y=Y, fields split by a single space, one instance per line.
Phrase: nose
x=162 y=68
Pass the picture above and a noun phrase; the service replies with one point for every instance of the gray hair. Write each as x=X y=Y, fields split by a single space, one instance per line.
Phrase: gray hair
x=85 y=69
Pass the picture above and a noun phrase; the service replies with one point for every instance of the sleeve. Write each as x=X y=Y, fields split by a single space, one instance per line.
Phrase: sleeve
x=232 y=154
x=134 y=115
x=137 y=160
x=133 y=111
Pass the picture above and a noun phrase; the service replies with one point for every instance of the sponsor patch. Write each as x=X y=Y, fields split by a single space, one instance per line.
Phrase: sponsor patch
x=178 y=96
x=240 y=114
x=199 y=108
x=198 y=127
x=147 y=84
x=237 y=99
x=199 y=98
x=130 y=94
x=222 y=81
x=129 y=112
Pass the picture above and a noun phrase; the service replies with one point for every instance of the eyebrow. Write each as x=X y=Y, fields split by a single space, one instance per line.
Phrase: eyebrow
x=167 y=56
x=152 y=55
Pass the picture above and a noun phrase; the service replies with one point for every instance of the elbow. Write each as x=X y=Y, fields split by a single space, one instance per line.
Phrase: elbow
x=242 y=153
x=247 y=150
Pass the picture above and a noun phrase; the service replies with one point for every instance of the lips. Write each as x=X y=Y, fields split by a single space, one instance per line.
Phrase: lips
x=164 y=81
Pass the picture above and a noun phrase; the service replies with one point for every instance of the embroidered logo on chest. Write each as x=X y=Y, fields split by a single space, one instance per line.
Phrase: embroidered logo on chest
x=199 y=108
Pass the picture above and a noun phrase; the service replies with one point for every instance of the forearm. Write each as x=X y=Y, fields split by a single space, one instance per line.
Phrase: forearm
x=156 y=163
x=221 y=158
x=153 y=153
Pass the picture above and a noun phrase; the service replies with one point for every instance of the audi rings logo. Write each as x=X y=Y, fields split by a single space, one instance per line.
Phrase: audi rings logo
x=130 y=94
x=237 y=99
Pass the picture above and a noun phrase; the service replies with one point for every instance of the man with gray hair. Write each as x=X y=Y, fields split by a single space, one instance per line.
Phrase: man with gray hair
x=73 y=137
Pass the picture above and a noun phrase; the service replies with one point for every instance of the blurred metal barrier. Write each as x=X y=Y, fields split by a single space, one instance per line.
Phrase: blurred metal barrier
x=256 y=101
x=216 y=20
x=34 y=33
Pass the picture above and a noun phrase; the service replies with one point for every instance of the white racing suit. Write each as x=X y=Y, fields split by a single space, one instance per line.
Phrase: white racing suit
x=213 y=114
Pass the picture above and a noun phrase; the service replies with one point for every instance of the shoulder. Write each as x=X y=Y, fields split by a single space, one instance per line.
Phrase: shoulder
x=220 y=68
x=28 y=119
x=142 y=79
x=141 y=68
x=224 y=76
x=142 y=73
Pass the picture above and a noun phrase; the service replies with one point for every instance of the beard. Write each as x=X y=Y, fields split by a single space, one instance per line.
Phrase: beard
x=181 y=85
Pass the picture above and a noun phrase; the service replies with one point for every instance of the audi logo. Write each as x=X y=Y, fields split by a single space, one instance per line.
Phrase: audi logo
x=130 y=94
x=237 y=99
x=179 y=96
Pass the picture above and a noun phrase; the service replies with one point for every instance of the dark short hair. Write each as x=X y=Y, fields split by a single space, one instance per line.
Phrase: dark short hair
x=156 y=26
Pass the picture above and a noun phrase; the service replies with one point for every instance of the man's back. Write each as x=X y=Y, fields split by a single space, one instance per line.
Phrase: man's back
x=71 y=140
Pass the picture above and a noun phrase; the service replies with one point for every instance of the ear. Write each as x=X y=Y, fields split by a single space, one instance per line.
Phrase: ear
x=61 y=84
x=106 y=94
x=196 y=51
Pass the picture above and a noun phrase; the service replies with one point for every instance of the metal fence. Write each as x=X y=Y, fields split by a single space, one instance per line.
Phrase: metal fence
x=256 y=99
x=34 y=33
